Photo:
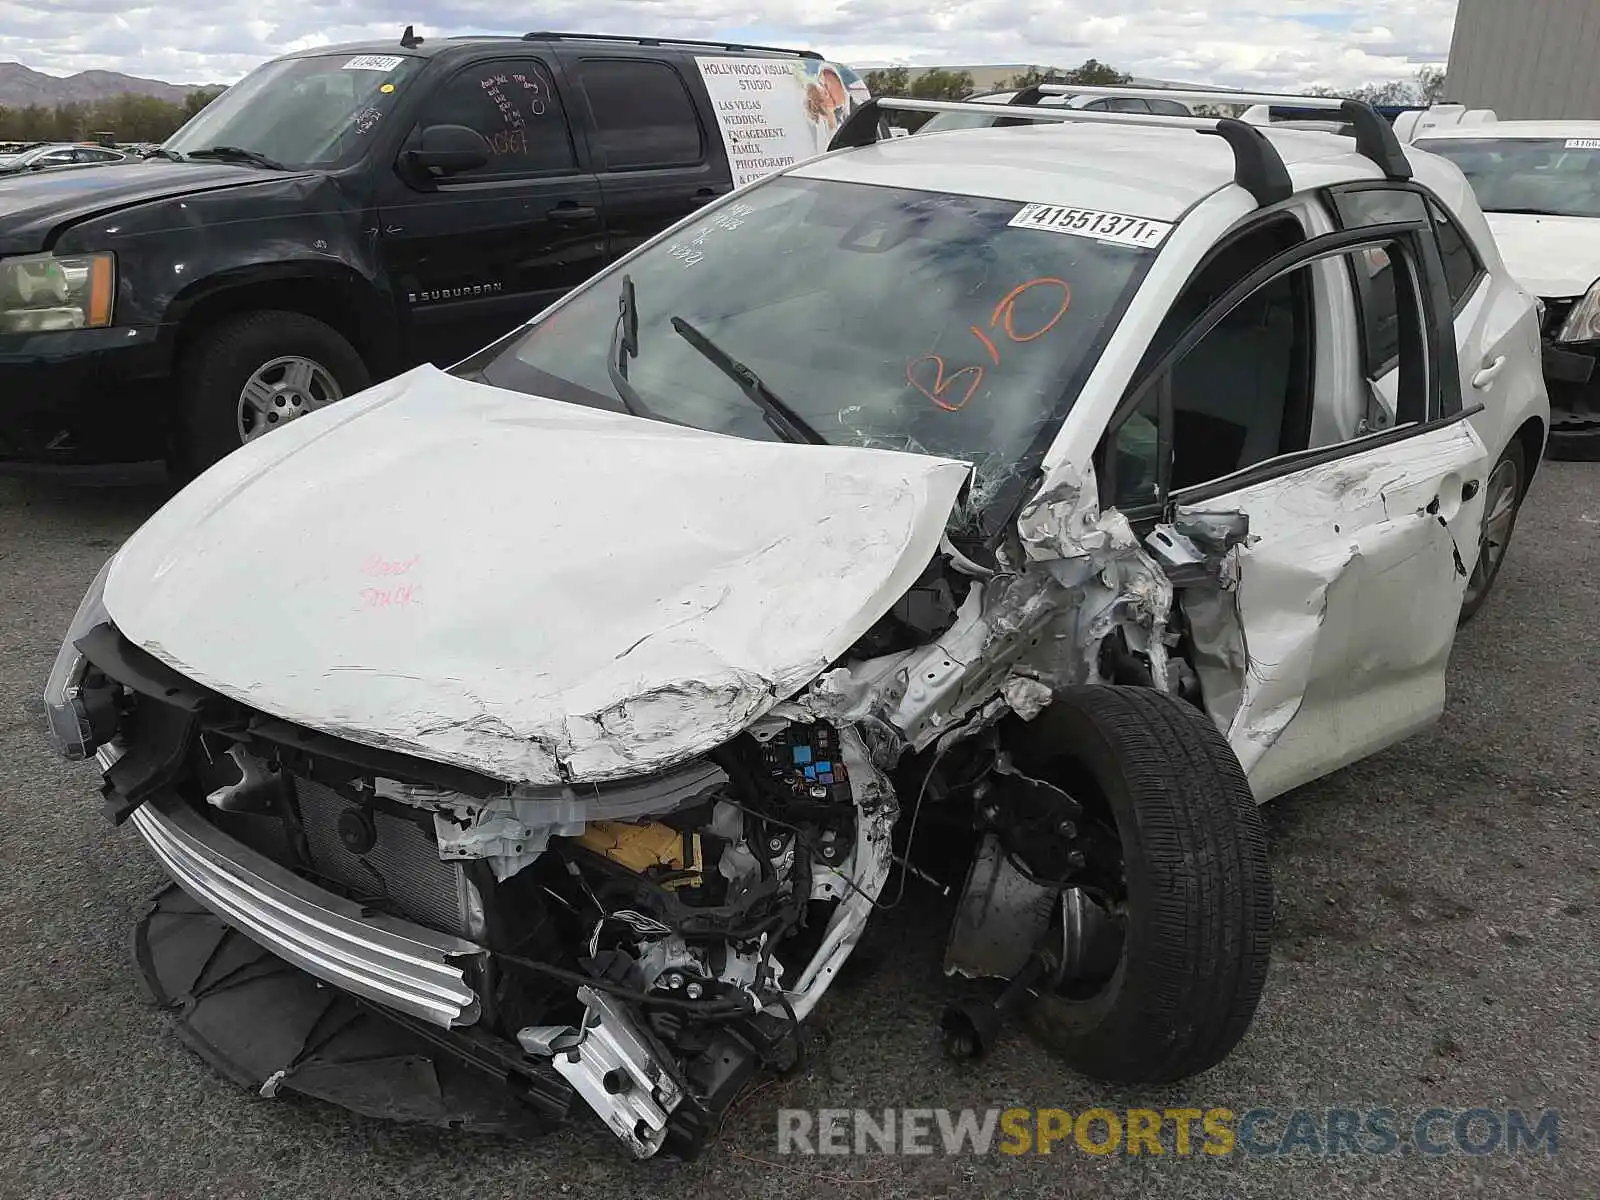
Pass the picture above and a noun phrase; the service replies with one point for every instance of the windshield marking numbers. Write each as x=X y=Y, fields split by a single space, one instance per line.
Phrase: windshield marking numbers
x=1583 y=144
x=690 y=251
x=1118 y=228
x=1003 y=317
x=941 y=384
x=373 y=62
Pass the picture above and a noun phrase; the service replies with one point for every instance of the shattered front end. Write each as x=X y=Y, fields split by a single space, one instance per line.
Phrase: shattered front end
x=499 y=956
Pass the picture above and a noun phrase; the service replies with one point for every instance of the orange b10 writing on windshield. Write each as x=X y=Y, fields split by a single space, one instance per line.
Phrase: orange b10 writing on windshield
x=941 y=386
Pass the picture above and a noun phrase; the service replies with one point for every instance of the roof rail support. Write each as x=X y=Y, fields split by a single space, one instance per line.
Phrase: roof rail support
x=733 y=47
x=1375 y=137
x=1257 y=166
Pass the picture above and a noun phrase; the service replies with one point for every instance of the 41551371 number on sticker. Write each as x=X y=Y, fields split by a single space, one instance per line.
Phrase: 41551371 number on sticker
x=1120 y=228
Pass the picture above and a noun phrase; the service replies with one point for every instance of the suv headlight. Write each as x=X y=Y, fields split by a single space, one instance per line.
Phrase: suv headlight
x=1583 y=322
x=41 y=292
x=79 y=727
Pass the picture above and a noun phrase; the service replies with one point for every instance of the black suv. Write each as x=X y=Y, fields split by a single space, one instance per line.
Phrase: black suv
x=338 y=216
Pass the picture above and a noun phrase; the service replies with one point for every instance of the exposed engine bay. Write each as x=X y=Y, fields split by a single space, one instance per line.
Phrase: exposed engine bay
x=695 y=918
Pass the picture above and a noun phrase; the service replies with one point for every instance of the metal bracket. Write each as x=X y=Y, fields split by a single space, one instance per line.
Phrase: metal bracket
x=608 y=1062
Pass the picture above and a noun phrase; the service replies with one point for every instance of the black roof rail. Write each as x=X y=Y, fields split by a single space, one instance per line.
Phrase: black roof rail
x=736 y=47
x=1375 y=137
x=1257 y=166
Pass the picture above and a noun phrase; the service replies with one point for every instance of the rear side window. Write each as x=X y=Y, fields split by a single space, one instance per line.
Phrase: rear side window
x=1131 y=104
x=1462 y=269
x=1372 y=272
x=514 y=105
x=1168 y=108
x=643 y=114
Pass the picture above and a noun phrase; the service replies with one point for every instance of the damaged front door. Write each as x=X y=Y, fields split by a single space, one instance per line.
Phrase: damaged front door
x=1332 y=638
x=1324 y=634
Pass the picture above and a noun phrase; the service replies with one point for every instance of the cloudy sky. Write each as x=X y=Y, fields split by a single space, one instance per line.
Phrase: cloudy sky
x=1281 y=43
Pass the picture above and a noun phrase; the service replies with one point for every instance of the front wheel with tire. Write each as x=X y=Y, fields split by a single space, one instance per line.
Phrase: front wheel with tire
x=1189 y=935
x=256 y=372
x=1502 y=501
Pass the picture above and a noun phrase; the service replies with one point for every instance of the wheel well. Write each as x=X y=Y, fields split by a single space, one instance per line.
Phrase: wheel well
x=330 y=301
x=1531 y=435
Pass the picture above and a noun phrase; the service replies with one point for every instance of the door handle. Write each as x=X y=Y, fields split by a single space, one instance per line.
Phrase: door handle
x=571 y=214
x=1486 y=376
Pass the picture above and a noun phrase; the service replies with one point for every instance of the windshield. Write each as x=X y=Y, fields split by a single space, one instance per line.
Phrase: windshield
x=1554 y=176
x=882 y=317
x=302 y=112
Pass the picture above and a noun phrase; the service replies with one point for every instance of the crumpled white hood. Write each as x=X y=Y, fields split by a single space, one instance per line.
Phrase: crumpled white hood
x=531 y=589
x=1553 y=257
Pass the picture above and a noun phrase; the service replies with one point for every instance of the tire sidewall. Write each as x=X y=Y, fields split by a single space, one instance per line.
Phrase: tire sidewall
x=216 y=368
x=1513 y=453
x=1090 y=750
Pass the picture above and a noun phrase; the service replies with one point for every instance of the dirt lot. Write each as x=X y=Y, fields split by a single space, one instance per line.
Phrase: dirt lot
x=1437 y=945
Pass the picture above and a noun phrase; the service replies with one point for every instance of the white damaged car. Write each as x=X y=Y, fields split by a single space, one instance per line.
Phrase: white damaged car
x=540 y=735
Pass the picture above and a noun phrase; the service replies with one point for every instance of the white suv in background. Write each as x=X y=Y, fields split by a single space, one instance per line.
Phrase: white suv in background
x=1538 y=183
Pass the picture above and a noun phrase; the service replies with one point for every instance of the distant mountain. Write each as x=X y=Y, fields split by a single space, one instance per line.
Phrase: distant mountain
x=20 y=86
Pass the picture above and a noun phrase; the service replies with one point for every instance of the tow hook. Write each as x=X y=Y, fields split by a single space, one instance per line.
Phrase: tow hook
x=972 y=1026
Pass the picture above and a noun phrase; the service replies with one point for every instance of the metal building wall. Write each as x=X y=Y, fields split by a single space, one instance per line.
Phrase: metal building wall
x=1527 y=59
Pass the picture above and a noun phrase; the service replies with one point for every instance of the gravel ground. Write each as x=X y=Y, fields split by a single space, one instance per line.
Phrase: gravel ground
x=1436 y=946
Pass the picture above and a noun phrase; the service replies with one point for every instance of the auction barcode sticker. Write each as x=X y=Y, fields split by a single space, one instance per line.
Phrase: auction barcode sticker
x=1091 y=223
x=1583 y=143
x=373 y=62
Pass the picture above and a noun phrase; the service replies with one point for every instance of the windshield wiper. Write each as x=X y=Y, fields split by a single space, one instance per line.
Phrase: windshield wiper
x=785 y=422
x=1526 y=212
x=163 y=152
x=625 y=345
x=239 y=154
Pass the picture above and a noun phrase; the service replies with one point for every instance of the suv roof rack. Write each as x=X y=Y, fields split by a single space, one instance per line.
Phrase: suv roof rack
x=543 y=36
x=1257 y=167
x=1375 y=137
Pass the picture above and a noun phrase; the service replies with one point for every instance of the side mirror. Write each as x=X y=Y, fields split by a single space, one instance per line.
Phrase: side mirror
x=448 y=150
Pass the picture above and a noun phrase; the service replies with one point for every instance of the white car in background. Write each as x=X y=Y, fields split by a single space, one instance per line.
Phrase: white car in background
x=1073 y=488
x=1538 y=183
x=1050 y=95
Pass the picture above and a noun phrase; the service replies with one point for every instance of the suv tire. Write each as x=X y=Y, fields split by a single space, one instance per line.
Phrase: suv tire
x=216 y=368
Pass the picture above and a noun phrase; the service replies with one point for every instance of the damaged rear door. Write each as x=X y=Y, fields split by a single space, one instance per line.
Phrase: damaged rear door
x=1320 y=581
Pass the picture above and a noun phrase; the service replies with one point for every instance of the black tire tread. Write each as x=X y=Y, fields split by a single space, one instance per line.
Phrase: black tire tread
x=1201 y=911
x=210 y=362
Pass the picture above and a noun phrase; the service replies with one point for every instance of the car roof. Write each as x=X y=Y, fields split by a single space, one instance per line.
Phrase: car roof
x=430 y=47
x=1515 y=129
x=1158 y=172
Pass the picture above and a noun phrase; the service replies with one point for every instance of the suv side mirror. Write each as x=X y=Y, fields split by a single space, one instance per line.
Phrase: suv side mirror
x=448 y=150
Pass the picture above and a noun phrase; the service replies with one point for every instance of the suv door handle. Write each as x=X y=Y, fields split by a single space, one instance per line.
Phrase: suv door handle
x=1486 y=376
x=572 y=214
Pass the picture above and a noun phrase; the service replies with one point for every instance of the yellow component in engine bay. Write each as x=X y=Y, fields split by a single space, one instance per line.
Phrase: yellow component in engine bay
x=646 y=849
